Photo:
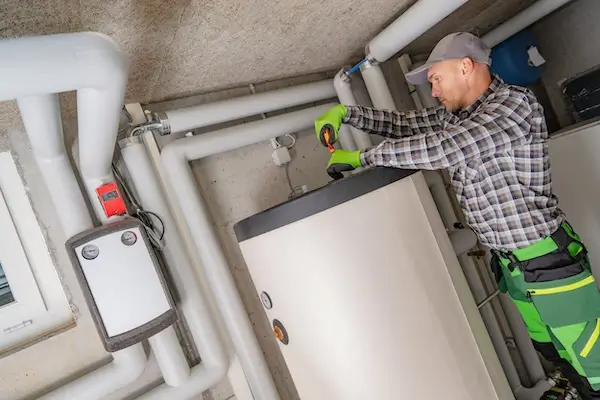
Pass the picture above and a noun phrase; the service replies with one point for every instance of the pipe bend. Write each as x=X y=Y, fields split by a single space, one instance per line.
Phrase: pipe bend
x=74 y=60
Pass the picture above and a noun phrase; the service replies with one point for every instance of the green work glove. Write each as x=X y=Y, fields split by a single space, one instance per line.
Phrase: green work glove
x=343 y=160
x=330 y=121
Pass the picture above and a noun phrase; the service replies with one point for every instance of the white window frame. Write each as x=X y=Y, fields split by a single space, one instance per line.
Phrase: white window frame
x=39 y=305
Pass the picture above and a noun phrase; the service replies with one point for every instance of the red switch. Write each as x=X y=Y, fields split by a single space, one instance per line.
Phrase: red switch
x=111 y=200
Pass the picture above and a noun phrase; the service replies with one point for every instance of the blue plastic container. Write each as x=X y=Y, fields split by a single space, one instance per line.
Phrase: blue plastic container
x=510 y=60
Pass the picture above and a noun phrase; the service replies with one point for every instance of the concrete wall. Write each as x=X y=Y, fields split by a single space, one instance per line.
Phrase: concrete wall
x=569 y=39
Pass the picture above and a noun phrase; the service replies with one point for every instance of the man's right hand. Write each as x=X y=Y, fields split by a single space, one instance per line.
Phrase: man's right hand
x=331 y=120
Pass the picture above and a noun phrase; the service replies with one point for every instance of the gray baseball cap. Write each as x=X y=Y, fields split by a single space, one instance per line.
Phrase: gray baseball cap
x=455 y=46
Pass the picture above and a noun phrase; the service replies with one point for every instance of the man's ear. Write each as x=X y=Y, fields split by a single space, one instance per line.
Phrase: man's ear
x=467 y=66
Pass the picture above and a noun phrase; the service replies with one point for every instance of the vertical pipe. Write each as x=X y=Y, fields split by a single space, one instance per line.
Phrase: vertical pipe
x=98 y=124
x=219 y=276
x=489 y=318
x=192 y=302
x=376 y=85
x=406 y=65
x=169 y=356
x=343 y=88
x=442 y=198
x=41 y=117
x=529 y=354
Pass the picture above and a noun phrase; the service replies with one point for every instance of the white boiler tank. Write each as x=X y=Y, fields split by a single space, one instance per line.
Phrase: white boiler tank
x=366 y=296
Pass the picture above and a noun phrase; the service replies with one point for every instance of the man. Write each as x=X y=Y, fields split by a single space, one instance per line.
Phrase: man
x=492 y=139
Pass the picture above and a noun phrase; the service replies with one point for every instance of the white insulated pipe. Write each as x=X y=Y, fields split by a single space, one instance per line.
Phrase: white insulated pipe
x=480 y=293
x=41 y=117
x=88 y=62
x=436 y=185
x=534 y=367
x=343 y=88
x=377 y=86
x=176 y=157
x=127 y=365
x=98 y=125
x=537 y=11
x=188 y=118
x=462 y=240
x=414 y=22
x=196 y=310
x=169 y=356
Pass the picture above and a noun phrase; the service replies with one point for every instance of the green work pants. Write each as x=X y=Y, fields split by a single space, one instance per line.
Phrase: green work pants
x=564 y=311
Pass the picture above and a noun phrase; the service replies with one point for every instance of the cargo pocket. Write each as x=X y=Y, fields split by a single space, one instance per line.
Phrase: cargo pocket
x=566 y=301
x=587 y=351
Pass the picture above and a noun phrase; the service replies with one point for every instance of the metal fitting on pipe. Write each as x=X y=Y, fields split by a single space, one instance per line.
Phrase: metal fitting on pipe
x=161 y=121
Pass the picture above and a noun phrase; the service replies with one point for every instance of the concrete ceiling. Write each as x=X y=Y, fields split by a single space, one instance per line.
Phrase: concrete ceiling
x=183 y=47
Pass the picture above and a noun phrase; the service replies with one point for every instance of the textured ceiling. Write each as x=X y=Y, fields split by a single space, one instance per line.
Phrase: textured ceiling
x=182 y=47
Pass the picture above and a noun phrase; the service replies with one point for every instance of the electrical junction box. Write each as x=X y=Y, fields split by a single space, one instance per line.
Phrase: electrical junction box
x=122 y=282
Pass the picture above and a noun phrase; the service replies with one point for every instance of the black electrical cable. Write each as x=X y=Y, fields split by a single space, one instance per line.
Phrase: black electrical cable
x=145 y=217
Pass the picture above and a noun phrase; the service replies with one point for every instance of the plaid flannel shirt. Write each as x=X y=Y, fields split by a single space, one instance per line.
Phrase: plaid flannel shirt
x=496 y=153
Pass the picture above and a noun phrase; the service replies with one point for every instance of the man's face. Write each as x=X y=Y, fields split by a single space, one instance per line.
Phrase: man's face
x=448 y=84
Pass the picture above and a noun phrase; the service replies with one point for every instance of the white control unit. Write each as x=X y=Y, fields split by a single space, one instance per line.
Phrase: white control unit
x=121 y=279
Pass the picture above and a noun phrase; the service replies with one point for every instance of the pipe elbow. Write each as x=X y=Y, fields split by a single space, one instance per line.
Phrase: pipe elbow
x=130 y=363
x=111 y=62
x=340 y=82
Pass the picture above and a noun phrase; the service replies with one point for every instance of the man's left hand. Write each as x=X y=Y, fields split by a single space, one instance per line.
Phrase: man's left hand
x=343 y=160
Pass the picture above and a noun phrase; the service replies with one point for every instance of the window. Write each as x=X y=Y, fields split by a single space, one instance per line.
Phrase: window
x=6 y=295
x=32 y=302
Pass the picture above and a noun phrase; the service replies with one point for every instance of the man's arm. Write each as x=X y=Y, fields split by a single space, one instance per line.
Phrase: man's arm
x=394 y=124
x=499 y=126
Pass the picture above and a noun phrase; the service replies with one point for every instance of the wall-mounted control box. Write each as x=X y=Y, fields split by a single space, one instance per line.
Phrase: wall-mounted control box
x=122 y=282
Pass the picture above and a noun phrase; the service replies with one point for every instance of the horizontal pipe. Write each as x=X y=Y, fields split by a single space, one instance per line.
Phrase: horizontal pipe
x=176 y=157
x=522 y=20
x=343 y=88
x=127 y=365
x=60 y=63
x=414 y=22
x=189 y=118
x=191 y=300
x=200 y=146
x=169 y=356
